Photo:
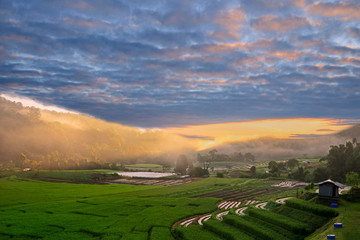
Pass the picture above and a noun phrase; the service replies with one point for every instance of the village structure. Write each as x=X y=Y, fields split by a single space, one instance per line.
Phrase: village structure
x=329 y=188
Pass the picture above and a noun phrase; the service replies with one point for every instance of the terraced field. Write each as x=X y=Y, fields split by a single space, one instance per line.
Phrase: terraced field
x=286 y=222
x=242 y=194
x=31 y=209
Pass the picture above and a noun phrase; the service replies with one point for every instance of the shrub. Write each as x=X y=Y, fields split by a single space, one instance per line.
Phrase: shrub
x=311 y=207
x=198 y=172
x=353 y=194
x=220 y=174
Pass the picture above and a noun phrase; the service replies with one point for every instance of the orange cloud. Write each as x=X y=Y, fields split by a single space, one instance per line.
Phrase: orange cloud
x=231 y=21
x=299 y=3
x=211 y=135
x=288 y=55
x=346 y=10
x=281 y=25
x=350 y=60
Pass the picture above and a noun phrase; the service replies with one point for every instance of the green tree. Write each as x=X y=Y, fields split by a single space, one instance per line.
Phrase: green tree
x=299 y=174
x=343 y=159
x=352 y=179
x=274 y=168
x=198 y=172
x=181 y=164
x=291 y=163
x=321 y=174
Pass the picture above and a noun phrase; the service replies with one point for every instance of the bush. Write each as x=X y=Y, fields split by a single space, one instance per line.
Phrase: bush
x=220 y=174
x=272 y=205
x=198 y=172
x=308 y=196
x=353 y=194
x=280 y=220
x=311 y=207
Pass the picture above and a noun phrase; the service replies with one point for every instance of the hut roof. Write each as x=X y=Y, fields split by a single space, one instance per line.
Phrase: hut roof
x=340 y=185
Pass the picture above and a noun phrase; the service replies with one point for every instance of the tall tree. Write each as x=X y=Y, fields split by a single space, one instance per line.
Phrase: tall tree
x=343 y=159
x=274 y=168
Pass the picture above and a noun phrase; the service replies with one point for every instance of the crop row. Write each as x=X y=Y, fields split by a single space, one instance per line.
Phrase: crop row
x=280 y=223
x=240 y=194
x=311 y=207
x=280 y=220
x=300 y=215
x=269 y=226
x=226 y=231
x=253 y=229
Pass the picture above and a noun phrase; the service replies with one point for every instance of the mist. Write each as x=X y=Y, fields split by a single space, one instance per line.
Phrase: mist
x=58 y=140
x=268 y=148
x=65 y=140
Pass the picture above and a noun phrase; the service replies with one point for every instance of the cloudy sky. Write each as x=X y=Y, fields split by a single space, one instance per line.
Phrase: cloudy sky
x=175 y=64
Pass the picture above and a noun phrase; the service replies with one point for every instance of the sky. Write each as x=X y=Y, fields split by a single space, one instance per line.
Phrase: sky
x=181 y=65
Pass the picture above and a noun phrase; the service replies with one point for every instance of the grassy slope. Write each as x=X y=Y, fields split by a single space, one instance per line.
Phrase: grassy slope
x=81 y=211
x=32 y=209
x=349 y=215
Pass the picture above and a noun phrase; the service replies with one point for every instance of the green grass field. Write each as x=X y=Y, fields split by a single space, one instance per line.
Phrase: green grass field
x=31 y=209
x=349 y=216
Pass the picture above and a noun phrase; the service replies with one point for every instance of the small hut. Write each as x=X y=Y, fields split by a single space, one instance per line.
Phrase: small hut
x=329 y=188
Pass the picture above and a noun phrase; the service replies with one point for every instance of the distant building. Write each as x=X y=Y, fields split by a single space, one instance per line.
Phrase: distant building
x=26 y=169
x=329 y=188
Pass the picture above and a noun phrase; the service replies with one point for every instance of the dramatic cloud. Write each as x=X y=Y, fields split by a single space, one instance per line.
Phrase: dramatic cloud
x=193 y=62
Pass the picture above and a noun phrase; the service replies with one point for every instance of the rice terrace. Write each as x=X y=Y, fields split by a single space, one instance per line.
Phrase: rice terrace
x=179 y=120
x=198 y=208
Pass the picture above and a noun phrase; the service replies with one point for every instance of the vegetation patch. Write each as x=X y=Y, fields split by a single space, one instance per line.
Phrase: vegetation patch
x=226 y=231
x=193 y=204
x=267 y=226
x=160 y=233
x=195 y=232
x=299 y=215
x=56 y=226
x=89 y=214
x=252 y=229
x=311 y=207
x=281 y=220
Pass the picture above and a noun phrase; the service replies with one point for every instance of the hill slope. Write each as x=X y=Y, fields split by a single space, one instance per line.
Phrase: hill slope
x=54 y=138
